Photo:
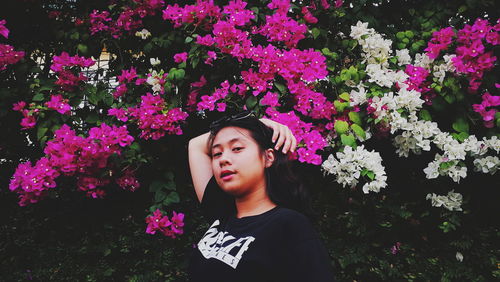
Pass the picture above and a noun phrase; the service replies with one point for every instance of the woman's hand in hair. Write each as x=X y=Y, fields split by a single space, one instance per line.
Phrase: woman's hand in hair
x=282 y=135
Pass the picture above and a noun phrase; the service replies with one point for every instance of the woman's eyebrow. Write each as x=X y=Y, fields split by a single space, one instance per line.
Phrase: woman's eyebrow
x=236 y=139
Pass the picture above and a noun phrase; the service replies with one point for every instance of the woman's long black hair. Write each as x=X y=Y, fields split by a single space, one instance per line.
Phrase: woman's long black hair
x=283 y=186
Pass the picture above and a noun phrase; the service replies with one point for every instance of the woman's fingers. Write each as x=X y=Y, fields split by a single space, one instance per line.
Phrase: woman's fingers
x=281 y=138
x=294 y=143
x=288 y=142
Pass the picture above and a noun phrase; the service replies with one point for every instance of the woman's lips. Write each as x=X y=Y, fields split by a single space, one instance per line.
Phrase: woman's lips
x=228 y=177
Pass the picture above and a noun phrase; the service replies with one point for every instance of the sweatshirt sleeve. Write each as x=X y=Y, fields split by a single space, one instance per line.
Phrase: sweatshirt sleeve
x=216 y=203
x=308 y=259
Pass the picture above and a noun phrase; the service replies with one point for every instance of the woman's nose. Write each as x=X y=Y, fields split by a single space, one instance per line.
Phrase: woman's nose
x=224 y=159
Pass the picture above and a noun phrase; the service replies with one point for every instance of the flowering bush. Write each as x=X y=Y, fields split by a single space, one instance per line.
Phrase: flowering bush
x=107 y=102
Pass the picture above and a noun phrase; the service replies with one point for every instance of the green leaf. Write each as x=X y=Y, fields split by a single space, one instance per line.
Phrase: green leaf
x=400 y=35
x=188 y=39
x=345 y=96
x=281 y=87
x=348 y=140
x=179 y=74
x=425 y=115
x=251 y=102
x=156 y=186
x=41 y=132
x=160 y=196
x=170 y=185
x=108 y=100
x=135 y=146
x=341 y=126
x=370 y=175
x=172 y=198
x=182 y=65
x=355 y=117
x=316 y=32
x=195 y=61
x=74 y=36
x=461 y=125
x=83 y=48
x=409 y=34
x=38 y=97
x=449 y=98
x=358 y=131
x=92 y=118
x=339 y=106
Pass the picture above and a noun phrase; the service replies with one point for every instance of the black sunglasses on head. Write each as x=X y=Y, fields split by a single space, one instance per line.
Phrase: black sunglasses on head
x=238 y=116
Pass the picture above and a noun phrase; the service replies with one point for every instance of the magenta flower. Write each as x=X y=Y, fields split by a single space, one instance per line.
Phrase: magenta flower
x=9 y=56
x=180 y=57
x=120 y=114
x=270 y=99
x=177 y=223
x=59 y=104
x=396 y=248
x=211 y=57
x=3 y=30
x=128 y=181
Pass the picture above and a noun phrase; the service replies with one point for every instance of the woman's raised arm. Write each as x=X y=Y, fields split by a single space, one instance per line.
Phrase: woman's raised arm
x=200 y=163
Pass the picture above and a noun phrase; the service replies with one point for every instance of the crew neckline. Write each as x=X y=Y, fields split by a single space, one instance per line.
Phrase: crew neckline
x=252 y=217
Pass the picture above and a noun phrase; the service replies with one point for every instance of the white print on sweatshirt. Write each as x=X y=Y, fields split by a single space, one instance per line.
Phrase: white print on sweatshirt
x=218 y=244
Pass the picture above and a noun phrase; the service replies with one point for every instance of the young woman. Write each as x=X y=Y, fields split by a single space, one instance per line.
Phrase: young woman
x=242 y=178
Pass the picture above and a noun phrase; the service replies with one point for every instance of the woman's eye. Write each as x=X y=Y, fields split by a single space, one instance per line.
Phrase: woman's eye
x=216 y=154
x=237 y=149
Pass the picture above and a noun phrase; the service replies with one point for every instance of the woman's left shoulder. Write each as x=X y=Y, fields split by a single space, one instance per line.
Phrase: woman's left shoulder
x=295 y=222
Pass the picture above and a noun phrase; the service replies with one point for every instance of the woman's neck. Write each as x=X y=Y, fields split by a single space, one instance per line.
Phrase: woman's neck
x=255 y=203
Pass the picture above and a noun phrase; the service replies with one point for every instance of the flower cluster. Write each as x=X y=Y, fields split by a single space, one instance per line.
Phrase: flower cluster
x=169 y=227
x=7 y=54
x=58 y=103
x=489 y=101
x=440 y=40
x=29 y=115
x=32 y=182
x=128 y=181
x=63 y=66
x=400 y=112
x=127 y=76
x=157 y=81
x=129 y=19
x=451 y=202
x=195 y=14
x=71 y=155
x=417 y=77
x=155 y=119
x=472 y=58
x=280 y=27
x=352 y=163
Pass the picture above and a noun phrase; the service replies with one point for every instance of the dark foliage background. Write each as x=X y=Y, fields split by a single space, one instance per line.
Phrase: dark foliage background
x=70 y=237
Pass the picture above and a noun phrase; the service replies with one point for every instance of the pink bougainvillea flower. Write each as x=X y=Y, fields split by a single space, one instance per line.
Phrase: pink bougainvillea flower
x=180 y=57
x=395 y=249
x=177 y=223
x=128 y=181
x=59 y=104
x=3 y=30
x=120 y=114
x=211 y=57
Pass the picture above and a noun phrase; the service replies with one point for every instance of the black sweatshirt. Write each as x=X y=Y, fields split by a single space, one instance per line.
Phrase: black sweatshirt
x=277 y=245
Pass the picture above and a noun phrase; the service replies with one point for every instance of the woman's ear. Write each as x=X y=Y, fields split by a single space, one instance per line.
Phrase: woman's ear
x=269 y=157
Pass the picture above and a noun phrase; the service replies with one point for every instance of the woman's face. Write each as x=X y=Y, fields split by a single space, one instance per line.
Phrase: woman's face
x=237 y=163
